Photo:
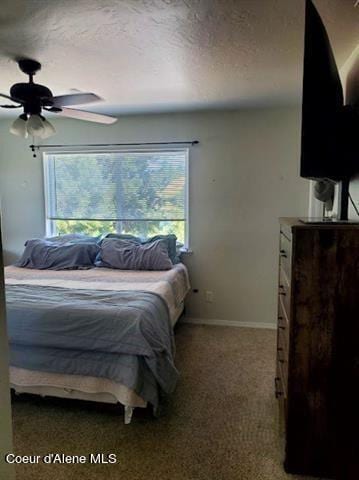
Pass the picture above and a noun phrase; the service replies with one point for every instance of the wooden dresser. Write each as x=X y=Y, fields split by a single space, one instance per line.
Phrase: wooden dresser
x=317 y=371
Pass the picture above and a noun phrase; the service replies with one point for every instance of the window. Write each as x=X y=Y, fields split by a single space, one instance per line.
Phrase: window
x=142 y=193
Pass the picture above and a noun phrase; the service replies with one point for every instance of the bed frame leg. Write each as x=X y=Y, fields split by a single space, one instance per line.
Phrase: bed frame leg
x=128 y=414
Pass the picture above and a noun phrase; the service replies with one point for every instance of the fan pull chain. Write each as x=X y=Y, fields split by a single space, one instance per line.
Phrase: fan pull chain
x=33 y=147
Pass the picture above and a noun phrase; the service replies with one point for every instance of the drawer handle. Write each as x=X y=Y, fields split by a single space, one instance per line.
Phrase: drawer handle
x=281 y=327
x=282 y=293
x=280 y=357
x=283 y=253
x=278 y=393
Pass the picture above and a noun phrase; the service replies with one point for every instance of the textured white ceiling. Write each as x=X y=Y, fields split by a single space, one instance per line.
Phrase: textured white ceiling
x=169 y=55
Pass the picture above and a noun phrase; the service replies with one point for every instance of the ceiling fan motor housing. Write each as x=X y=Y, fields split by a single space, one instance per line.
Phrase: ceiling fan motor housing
x=32 y=95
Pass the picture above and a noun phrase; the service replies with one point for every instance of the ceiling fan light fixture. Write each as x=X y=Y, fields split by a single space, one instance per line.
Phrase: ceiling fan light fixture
x=19 y=127
x=35 y=126
x=48 y=129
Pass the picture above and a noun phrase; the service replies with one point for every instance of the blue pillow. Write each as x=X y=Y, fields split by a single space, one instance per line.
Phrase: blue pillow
x=128 y=255
x=171 y=242
x=73 y=238
x=42 y=254
x=124 y=236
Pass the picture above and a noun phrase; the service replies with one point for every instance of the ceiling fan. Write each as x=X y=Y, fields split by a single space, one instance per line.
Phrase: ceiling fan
x=35 y=98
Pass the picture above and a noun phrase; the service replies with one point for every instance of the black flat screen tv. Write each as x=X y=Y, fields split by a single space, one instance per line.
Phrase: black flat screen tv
x=328 y=149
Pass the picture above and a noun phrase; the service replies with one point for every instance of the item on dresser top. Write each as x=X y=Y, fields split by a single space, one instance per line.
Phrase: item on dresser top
x=43 y=254
x=128 y=255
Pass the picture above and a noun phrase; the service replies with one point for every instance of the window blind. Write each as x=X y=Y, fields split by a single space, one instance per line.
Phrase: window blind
x=117 y=186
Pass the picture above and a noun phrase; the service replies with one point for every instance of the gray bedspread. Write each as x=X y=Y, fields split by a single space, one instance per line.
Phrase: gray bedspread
x=123 y=336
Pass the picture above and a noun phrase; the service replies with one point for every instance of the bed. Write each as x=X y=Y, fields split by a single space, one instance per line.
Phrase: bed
x=100 y=334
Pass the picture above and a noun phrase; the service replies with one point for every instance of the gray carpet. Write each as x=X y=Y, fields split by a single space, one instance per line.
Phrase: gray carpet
x=220 y=424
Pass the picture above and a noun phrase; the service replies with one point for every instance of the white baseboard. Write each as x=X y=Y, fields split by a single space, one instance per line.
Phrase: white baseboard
x=228 y=323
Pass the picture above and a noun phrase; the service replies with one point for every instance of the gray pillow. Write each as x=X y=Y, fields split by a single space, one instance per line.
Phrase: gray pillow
x=42 y=254
x=127 y=255
x=171 y=242
x=124 y=236
x=73 y=238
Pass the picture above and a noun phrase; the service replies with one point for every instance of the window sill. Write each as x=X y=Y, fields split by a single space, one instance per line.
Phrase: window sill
x=186 y=251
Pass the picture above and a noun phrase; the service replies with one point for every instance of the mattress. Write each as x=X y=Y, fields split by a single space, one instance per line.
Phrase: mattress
x=171 y=285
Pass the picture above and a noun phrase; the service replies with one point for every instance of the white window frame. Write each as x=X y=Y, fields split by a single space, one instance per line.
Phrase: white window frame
x=50 y=224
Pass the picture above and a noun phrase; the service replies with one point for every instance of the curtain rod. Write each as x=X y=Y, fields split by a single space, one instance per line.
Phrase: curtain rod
x=189 y=142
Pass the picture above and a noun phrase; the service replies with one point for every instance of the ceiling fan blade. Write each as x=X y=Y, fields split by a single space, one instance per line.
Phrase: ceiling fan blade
x=15 y=100
x=75 y=99
x=87 y=116
x=11 y=106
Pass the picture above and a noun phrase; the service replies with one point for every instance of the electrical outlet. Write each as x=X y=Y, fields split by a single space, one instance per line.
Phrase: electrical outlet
x=209 y=296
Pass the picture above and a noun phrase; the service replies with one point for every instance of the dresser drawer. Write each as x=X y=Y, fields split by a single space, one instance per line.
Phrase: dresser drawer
x=283 y=315
x=284 y=293
x=283 y=337
x=282 y=369
x=285 y=255
x=281 y=396
x=286 y=231
x=280 y=384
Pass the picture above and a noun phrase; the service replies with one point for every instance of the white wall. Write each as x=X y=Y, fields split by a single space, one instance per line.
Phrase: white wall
x=243 y=176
